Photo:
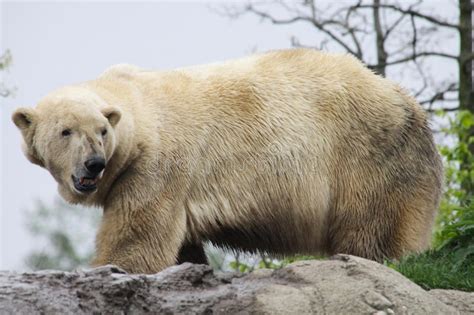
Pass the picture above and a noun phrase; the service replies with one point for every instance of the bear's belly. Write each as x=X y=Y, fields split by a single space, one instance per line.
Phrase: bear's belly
x=269 y=237
x=278 y=223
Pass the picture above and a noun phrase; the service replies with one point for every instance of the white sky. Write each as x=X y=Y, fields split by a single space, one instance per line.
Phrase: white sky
x=55 y=44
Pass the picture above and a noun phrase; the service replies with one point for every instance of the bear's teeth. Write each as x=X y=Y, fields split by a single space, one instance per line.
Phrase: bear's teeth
x=88 y=181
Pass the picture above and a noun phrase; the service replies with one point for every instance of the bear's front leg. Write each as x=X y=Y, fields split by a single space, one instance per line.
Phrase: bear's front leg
x=146 y=239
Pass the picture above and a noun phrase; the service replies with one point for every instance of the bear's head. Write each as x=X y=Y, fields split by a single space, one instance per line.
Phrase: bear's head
x=71 y=133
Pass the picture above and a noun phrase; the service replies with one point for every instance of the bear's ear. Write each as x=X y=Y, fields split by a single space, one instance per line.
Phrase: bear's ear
x=24 y=118
x=112 y=114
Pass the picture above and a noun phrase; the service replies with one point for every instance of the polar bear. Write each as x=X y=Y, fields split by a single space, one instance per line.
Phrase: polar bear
x=293 y=151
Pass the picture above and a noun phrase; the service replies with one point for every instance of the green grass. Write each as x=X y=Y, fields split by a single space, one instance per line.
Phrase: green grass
x=438 y=270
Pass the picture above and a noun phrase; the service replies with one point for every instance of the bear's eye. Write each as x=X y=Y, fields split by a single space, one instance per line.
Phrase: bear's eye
x=66 y=132
x=104 y=132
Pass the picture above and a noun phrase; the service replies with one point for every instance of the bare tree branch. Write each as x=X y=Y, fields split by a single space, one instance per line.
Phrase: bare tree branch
x=352 y=33
x=394 y=25
x=319 y=25
x=418 y=55
x=439 y=96
x=450 y=109
x=349 y=25
x=423 y=78
x=414 y=13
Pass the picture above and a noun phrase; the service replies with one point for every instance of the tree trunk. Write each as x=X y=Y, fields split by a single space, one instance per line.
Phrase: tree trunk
x=466 y=93
x=380 y=41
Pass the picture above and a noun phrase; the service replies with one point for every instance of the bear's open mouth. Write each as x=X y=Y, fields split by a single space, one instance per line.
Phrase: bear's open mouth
x=85 y=184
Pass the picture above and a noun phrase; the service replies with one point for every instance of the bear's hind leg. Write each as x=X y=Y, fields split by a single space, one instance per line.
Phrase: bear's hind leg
x=390 y=231
x=367 y=228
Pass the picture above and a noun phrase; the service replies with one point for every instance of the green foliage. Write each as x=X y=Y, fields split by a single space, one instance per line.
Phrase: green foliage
x=438 y=269
x=459 y=231
x=451 y=264
x=237 y=265
x=264 y=261
x=5 y=62
x=456 y=210
x=247 y=263
x=215 y=257
x=64 y=236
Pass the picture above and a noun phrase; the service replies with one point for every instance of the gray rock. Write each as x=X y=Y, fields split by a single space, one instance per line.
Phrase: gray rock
x=341 y=285
x=463 y=301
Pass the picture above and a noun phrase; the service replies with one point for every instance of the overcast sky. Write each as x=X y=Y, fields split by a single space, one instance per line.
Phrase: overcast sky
x=55 y=44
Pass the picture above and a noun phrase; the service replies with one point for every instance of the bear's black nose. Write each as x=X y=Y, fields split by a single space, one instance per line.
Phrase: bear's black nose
x=95 y=165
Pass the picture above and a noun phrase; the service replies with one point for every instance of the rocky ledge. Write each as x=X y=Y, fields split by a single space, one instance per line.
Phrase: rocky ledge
x=341 y=285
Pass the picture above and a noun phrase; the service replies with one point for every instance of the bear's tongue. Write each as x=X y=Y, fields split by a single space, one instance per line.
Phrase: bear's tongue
x=88 y=181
